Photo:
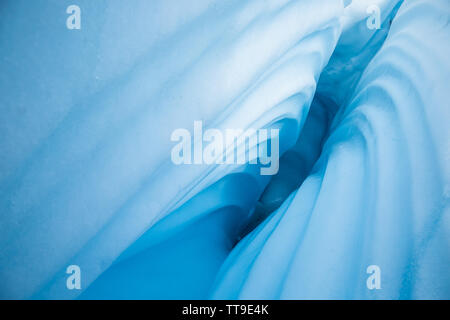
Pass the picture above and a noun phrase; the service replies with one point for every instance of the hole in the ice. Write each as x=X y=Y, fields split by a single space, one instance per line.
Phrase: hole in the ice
x=297 y=162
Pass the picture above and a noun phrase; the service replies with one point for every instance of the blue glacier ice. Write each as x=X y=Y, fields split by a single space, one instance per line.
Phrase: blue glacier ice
x=86 y=176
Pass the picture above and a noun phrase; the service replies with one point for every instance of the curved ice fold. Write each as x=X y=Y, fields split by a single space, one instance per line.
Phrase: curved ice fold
x=378 y=195
x=363 y=179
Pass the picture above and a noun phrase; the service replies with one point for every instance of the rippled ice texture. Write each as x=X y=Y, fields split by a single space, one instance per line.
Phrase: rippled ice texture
x=85 y=171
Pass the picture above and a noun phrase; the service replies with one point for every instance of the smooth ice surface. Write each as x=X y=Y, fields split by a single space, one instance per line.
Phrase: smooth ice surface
x=86 y=176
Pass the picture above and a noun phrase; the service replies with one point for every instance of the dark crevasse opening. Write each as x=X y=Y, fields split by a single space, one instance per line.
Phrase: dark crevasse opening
x=335 y=89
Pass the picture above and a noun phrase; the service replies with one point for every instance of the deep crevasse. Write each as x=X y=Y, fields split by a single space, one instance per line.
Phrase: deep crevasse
x=86 y=176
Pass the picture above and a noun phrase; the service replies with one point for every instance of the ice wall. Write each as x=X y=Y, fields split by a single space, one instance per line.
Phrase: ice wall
x=86 y=176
